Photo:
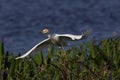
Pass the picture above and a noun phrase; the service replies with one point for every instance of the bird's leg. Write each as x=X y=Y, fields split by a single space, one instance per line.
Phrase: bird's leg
x=63 y=50
x=62 y=46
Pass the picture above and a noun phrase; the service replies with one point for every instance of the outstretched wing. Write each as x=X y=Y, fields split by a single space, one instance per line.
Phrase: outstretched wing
x=69 y=36
x=86 y=33
x=45 y=43
x=73 y=37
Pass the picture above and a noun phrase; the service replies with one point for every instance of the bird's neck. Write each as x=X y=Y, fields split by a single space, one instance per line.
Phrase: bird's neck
x=49 y=35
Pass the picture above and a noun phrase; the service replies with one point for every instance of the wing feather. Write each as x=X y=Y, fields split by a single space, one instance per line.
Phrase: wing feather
x=45 y=43
x=69 y=36
x=73 y=37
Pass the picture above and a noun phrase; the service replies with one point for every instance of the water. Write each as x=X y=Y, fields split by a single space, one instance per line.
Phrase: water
x=21 y=20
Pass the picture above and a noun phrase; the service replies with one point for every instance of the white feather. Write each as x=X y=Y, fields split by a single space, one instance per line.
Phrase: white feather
x=71 y=36
x=37 y=48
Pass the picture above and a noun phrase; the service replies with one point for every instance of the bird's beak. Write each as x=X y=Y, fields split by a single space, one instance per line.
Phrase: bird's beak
x=41 y=31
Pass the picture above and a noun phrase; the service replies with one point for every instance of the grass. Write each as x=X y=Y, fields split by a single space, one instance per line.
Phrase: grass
x=89 y=61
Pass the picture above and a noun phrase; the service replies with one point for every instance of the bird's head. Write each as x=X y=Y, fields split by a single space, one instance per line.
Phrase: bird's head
x=45 y=31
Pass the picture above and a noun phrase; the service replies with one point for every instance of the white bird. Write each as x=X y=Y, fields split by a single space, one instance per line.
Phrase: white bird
x=55 y=39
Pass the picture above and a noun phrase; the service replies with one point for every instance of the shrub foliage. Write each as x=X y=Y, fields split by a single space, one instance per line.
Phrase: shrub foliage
x=89 y=61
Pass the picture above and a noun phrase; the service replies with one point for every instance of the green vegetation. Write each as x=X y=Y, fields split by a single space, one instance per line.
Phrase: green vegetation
x=89 y=61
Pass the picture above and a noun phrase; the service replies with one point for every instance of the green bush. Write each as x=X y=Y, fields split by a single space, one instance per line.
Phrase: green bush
x=89 y=61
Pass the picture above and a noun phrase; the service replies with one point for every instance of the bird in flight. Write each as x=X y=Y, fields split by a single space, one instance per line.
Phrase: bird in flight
x=54 y=39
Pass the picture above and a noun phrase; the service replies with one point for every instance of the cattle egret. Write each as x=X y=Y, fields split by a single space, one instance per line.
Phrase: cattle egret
x=55 y=39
